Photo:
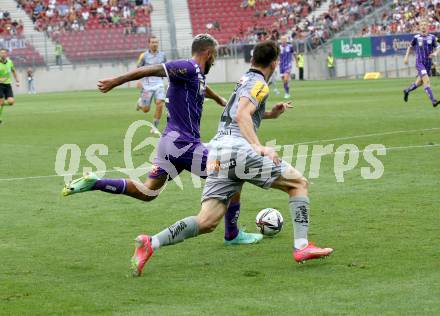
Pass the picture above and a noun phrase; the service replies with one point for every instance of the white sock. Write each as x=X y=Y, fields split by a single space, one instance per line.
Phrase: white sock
x=301 y=243
x=155 y=243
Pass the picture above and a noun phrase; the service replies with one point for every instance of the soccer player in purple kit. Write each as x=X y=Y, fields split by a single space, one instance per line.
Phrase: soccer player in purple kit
x=425 y=47
x=179 y=147
x=286 y=56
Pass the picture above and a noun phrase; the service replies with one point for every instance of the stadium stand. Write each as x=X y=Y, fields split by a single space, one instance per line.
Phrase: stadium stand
x=11 y=37
x=341 y=14
x=102 y=44
x=247 y=20
x=91 y=29
x=8 y=26
x=404 y=17
x=237 y=20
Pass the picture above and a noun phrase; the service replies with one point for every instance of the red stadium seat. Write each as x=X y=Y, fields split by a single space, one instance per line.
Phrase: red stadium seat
x=102 y=44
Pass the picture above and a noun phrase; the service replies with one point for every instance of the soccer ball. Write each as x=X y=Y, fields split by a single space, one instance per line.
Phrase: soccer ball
x=269 y=221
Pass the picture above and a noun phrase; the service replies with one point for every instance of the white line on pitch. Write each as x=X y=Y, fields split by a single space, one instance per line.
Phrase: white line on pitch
x=368 y=135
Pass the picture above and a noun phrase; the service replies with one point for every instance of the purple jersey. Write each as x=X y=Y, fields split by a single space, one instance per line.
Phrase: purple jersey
x=184 y=101
x=423 y=47
x=286 y=55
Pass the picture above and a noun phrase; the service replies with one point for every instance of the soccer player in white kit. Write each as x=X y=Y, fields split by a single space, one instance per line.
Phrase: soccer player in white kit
x=152 y=87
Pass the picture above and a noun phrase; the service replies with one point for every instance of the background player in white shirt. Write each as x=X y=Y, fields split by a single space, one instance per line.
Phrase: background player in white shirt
x=152 y=87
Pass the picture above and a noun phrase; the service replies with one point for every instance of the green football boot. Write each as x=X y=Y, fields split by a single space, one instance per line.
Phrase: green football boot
x=244 y=238
x=80 y=185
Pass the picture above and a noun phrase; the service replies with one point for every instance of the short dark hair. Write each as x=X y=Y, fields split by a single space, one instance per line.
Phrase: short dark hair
x=152 y=37
x=265 y=53
x=203 y=42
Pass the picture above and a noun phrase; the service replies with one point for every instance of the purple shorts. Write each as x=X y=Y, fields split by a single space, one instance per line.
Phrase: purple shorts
x=175 y=155
x=424 y=69
x=285 y=70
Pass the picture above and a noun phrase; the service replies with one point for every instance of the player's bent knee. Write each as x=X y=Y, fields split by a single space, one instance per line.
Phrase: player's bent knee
x=425 y=80
x=296 y=184
x=302 y=184
x=292 y=181
x=141 y=192
x=152 y=188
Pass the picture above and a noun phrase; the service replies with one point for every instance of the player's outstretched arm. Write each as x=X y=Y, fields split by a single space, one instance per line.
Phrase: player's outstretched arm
x=435 y=53
x=211 y=94
x=277 y=110
x=406 y=58
x=244 y=120
x=14 y=73
x=105 y=85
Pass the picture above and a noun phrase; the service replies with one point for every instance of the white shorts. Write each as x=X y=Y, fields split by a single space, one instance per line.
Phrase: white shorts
x=148 y=93
x=231 y=163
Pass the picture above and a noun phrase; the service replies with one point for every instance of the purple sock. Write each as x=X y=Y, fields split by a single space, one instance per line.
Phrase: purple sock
x=430 y=94
x=412 y=87
x=115 y=186
x=231 y=218
x=286 y=87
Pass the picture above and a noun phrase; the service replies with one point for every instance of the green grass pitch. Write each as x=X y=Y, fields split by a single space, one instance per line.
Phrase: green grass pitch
x=71 y=255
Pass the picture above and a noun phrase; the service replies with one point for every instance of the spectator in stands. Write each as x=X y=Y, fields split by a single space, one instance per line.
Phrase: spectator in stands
x=85 y=15
x=76 y=15
x=224 y=51
x=404 y=18
x=275 y=36
x=294 y=16
x=75 y=26
x=8 y=26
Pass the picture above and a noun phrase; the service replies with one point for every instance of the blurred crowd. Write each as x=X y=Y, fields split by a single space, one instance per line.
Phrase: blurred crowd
x=293 y=19
x=8 y=26
x=59 y=16
x=404 y=18
x=285 y=15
